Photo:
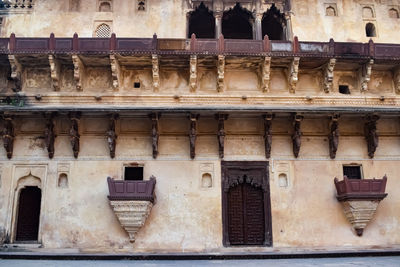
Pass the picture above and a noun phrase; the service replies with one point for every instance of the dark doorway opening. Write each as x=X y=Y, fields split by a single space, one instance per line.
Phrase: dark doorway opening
x=134 y=173
x=352 y=172
x=246 y=204
x=202 y=22
x=273 y=24
x=370 y=30
x=28 y=214
x=344 y=89
x=236 y=23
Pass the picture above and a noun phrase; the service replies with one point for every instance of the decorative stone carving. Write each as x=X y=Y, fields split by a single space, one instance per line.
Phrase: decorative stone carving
x=156 y=74
x=8 y=136
x=296 y=137
x=328 y=75
x=371 y=134
x=79 y=69
x=193 y=134
x=268 y=134
x=221 y=73
x=115 y=71
x=366 y=71
x=396 y=78
x=334 y=136
x=55 y=72
x=154 y=133
x=293 y=74
x=49 y=135
x=16 y=72
x=112 y=136
x=74 y=132
x=193 y=73
x=360 y=199
x=265 y=74
x=221 y=133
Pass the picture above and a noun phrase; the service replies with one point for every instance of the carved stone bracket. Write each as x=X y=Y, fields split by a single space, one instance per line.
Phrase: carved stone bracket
x=79 y=69
x=8 y=135
x=156 y=73
x=115 y=72
x=16 y=72
x=396 y=78
x=55 y=67
x=293 y=74
x=221 y=73
x=366 y=71
x=193 y=73
x=268 y=134
x=49 y=135
x=111 y=135
x=154 y=132
x=221 y=133
x=371 y=134
x=296 y=137
x=193 y=134
x=334 y=135
x=328 y=75
x=265 y=74
x=74 y=132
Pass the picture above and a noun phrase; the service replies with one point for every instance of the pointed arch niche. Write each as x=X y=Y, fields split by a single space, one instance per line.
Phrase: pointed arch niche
x=202 y=22
x=237 y=23
x=274 y=24
x=27 y=186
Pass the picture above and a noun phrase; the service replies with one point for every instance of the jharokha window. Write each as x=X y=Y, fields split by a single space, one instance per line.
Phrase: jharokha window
x=202 y=22
x=273 y=24
x=352 y=171
x=237 y=23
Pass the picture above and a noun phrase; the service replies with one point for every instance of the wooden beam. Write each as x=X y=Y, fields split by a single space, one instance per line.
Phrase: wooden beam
x=16 y=72
x=55 y=67
x=79 y=71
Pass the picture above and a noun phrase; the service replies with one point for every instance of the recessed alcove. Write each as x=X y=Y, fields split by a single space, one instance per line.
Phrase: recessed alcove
x=62 y=180
x=283 y=180
x=206 y=180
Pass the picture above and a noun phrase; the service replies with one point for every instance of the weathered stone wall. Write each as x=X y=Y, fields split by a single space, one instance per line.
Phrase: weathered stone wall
x=187 y=214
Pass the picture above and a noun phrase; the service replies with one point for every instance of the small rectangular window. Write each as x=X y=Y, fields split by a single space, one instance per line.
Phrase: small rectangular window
x=344 y=89
x=352 y=172
x=134 y=173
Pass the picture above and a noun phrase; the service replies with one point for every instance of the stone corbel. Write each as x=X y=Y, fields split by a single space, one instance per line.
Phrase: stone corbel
x=55 y=67
x=221 y=133
x=74 y=132
x=193 y=73
x=221 y=73
x=293 y=74
x=16 y=72
x=115 y=72
x=328 y=75
x=334 y=135
x=366 y=71
x=268 y=133
x=265 y=74
x=49 y=135
x=296 y=137
x=156 y=73
x=111 y=135
x=8 y=135
x=79 y=69
x=371 y=134
x=396 y=77
x=193 y=134
x=155 y=135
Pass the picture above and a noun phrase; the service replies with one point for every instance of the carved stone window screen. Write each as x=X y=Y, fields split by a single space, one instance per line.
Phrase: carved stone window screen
x=103 y=31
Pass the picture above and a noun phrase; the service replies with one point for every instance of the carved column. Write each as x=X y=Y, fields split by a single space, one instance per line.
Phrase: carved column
x=218 y=23
x=55 y=67
x=221 y=133
x=288 y=25
x=334 y=135
x=328 y=75
x=366 y=71
x=293 y=73
x=154 y=132
x=49 y=135
x=258 y=26
x=74 y=132
x=111 y=135
x=193 y=73
x=156 y=74
x=221 y=73
x=296 y=137
x=268 y=134
x=8 y=135
x=16 y=72
x=193 y=134
x=371 y=134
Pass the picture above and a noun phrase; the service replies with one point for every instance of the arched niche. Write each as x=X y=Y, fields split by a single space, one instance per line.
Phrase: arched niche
x=283 y=180
x=368 y=12
x=370 y=30
x=393 y=13
x=237 y=23
x=206 y=180
x=274 y=24
x=62 y=180
x=201 y=22
x=105 y=6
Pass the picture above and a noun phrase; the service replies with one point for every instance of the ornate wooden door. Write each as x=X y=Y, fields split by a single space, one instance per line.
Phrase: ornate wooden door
x=246 y=203
x=28 y=214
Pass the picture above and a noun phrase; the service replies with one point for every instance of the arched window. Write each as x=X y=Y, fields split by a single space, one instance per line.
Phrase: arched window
x=103 y=30
x=393 y=13
x=370 y=30
x=368 y=12
x=105 y=7
x=330 y=11
x=202 y=22
x=273 y=24
x=236 y=23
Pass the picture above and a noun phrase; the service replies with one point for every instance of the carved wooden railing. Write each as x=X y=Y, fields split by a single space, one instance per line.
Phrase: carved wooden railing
x=199 y=46
x=131 y=190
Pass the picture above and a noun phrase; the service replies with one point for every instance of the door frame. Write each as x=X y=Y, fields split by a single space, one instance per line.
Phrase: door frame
x=226 y=183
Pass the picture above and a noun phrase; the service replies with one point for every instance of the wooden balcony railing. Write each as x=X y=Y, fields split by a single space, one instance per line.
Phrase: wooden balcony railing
x=357 y=189
x=131 y=190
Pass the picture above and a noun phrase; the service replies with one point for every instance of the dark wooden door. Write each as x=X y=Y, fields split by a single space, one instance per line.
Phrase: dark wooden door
x=28 y=214
x=246 y=203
